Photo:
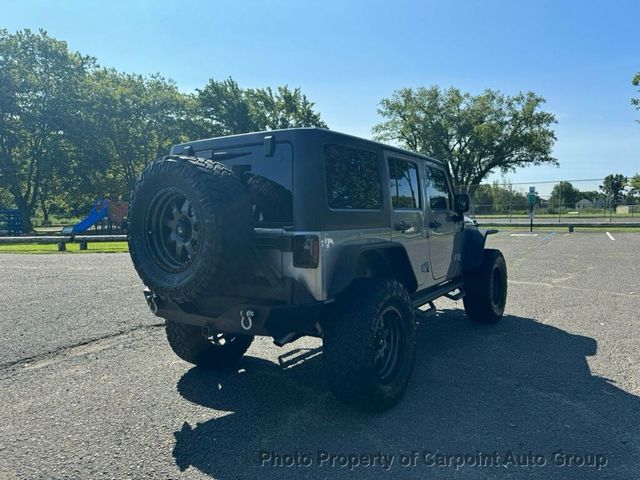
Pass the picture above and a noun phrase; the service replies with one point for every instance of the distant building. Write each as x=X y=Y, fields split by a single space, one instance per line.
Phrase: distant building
x=584 y=203
x=627 y=209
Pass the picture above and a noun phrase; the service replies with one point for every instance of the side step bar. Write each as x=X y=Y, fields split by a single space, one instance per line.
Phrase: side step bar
x=452 y=289
x=455 y=295
x=422 y=314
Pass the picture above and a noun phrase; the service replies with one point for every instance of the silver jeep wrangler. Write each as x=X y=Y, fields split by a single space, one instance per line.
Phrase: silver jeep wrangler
x=308 y=232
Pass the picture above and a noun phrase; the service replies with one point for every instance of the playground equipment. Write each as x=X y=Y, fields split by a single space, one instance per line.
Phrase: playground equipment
x=10 y=222
x=106 y=212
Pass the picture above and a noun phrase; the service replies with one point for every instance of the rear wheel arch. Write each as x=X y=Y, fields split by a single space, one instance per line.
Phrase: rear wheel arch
x=401 y=268
x=372 y=264
x=388 y=261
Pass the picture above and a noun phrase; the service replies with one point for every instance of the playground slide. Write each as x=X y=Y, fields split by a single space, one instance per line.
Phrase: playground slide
x=97 y=213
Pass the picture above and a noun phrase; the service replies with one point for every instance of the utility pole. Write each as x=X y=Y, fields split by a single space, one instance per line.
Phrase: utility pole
x=560 y=204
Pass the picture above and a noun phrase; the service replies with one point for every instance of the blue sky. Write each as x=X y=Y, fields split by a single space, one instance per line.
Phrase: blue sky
x=346 y=56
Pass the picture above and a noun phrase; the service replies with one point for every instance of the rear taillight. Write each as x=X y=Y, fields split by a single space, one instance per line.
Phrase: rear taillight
x=306 y=251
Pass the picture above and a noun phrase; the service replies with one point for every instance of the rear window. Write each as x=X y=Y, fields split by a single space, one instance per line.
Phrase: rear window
x=269 y=180
x=353 y=178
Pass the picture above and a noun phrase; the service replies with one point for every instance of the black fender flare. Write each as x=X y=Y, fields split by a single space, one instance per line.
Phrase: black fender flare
x=474 y=241
x=390 y=255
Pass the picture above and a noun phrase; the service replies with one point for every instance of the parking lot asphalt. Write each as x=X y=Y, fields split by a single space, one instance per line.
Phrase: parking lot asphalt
x=90 y=389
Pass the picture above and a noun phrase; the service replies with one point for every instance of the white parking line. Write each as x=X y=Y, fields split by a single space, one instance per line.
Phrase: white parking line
x=610 y=236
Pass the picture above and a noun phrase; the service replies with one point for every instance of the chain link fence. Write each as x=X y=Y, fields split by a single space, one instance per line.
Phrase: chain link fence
x=564 y=201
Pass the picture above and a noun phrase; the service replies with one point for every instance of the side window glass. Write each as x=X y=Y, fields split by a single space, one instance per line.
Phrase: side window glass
x=438 y=190
x=353 y=179
x=403 y=184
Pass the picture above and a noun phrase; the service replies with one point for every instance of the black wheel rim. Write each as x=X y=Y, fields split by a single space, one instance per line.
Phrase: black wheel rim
x=497 y=287
x=389 y=343
x=173 y=229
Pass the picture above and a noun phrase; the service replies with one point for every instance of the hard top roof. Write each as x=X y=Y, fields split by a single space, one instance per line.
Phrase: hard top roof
x=254 y=137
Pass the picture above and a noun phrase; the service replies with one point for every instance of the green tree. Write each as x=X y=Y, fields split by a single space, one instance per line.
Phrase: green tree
x=39 y=98
x=225 y=109
x=564 y=194
x=282 y=108
x=6 y=200
x=130 y=120
x=228 y=109
x=593 y=195
x=634 y=184
x=71 y=132
x=498 y=198
x=475 y=135
x=613 y=187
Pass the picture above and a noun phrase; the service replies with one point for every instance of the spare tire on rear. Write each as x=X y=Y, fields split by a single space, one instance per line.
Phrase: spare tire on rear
x=190 y=227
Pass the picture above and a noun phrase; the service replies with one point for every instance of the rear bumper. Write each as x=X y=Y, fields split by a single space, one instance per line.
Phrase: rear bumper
x=279 y=321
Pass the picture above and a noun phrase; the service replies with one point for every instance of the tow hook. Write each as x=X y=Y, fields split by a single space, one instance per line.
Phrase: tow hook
x=246 y=319
x=153 y=304
x=152 y=301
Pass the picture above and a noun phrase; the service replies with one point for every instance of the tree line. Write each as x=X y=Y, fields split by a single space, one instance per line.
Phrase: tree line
x=616 y=189
x=72 y=131
x=502 y=197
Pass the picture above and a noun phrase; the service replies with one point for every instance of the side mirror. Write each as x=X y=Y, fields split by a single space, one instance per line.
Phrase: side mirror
x=462 y=203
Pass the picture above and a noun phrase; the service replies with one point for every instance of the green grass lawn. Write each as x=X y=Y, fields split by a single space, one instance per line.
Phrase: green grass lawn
x=92 y=247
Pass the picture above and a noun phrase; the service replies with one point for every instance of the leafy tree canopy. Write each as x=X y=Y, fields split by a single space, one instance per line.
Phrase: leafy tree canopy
x=228 y=109
x=130 y=120
x=475 y=135
x=565 y=194
x=40 y=81
x=634 y=184
x=498 y=197
x=72 y=132
x=613 y=187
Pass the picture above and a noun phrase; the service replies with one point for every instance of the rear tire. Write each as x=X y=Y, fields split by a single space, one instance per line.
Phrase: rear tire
x=369 y=338
x=220 y=350
x=486 y=288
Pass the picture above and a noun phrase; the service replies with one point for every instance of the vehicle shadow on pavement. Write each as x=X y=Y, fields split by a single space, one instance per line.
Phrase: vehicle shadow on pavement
x=518 y=386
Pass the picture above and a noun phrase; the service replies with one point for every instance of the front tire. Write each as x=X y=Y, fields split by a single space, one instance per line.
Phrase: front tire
x=369 y=339
x=219 y=350
x=486 y=288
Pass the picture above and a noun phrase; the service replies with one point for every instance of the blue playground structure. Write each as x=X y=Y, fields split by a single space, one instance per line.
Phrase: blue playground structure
x=10 y=222
x=99 y=212
x=105 y=213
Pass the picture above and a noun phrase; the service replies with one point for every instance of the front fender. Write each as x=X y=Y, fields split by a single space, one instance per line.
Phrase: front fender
x=473 y=243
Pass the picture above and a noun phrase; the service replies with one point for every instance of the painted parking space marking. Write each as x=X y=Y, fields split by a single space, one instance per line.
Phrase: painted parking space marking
x=524 y=234
x=610 y=236
x=547 y=237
